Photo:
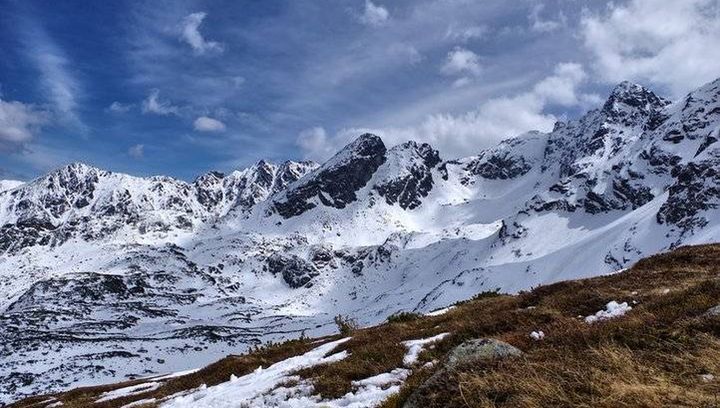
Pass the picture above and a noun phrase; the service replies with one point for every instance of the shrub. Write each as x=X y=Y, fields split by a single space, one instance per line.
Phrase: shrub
x=403 y=317
x=346 y=325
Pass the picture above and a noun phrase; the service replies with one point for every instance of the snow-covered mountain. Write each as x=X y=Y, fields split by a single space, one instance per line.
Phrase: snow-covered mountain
x=104 y=276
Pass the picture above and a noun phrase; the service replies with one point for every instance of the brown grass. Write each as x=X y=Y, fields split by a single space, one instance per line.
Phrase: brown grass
x=653 y=357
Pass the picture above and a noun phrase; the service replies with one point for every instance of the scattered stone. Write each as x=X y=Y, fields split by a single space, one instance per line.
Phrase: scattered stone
x=471 y=351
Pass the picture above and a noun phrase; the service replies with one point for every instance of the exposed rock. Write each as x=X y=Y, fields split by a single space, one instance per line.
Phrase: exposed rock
x=295 y=271
x=477 y=350
x=713 y=312
x=415 y=179
x=469 y=352
x=335 y=183
x=697 y=189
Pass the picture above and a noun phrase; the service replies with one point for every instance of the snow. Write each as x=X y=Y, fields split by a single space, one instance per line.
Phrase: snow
x=612 y=310
x=264 y=387
x=537 y=335
x=9 y=184
x=415 y=347
x=175 y=374
x=258 y=382
x=440 y=312
x=139 y=403
x=128 y=391
x=209 y=278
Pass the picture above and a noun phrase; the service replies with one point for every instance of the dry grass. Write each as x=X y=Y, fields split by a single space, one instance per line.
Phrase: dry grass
x=655 y=356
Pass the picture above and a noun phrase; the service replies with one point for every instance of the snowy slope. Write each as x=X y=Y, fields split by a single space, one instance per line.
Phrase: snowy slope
x=105 y=276
x=9 y=184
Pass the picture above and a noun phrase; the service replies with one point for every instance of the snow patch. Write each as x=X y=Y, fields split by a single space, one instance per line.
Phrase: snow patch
x=440 y=311
x=415 y=347
x=612 y=310
x=537 y=335
x=257 y=383
x=128 y=391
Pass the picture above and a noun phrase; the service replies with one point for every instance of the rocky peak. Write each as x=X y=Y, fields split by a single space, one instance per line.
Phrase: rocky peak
x=291 y=171
x=631 y=103
x=335 y=183
x=406 y=177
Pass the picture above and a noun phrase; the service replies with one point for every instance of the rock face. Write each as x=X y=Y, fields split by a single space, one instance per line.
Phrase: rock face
x=410 y=174
x=295 y=271
x=697 y=189
x=336 y=183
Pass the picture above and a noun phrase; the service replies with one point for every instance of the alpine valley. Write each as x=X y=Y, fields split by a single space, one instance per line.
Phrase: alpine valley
x=106 y=276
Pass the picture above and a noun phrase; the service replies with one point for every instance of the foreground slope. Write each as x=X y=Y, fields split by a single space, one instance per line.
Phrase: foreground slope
x=660 y=351
x=105 y=276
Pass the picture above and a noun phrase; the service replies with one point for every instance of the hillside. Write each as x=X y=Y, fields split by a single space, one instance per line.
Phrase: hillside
x=106 y=277
x=658 y=351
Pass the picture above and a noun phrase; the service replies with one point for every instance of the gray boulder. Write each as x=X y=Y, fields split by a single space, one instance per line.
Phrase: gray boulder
x=713 y=311
x=480 y=350
x=471 y=351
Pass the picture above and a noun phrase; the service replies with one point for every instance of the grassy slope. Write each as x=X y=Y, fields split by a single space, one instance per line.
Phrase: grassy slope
x=654 y=356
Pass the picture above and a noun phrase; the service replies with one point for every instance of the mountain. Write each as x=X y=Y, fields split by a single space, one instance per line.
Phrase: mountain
x=643 y=337
x=105 y=276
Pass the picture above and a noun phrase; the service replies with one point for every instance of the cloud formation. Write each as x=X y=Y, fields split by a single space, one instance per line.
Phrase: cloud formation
x=154 y=105
x=137 y=151
x=315 y=144
x=541 y=25
x=206 y=124
x=465 y=34
x=463 y=63
x=19 y=123
x=668 y=42
x=57 y=80
x=119 y=107
x=190 y=33
x=464 y=134
x=374 y=15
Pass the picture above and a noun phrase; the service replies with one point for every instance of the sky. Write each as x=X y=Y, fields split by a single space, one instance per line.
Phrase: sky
x=183 y=87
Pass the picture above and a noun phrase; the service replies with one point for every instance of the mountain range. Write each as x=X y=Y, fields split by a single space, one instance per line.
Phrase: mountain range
x=106 y=276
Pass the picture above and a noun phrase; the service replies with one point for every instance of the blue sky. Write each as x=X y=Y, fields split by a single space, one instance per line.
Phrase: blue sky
x=183 y=87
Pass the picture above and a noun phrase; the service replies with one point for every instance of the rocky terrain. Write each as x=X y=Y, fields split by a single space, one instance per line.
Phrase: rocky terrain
x=106 y=276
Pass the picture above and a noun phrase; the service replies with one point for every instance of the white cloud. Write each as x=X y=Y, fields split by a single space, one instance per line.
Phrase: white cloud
x=119 y=107
x=153 y=104
x=406 y=52
x=374 y=15
x=465 y=134
x=538 y=24
x=137 y=151
x=316 y=145
x=18 y=124
x=190 y=33
x=466 y=34
x=56 y=79
x=206 y=124
x=463 y=63
x=667 y=42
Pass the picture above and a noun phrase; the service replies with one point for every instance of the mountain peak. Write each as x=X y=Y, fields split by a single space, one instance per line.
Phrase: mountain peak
x=77 y=166
x=75 y=169
x=634 y=96
x=366 y=144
